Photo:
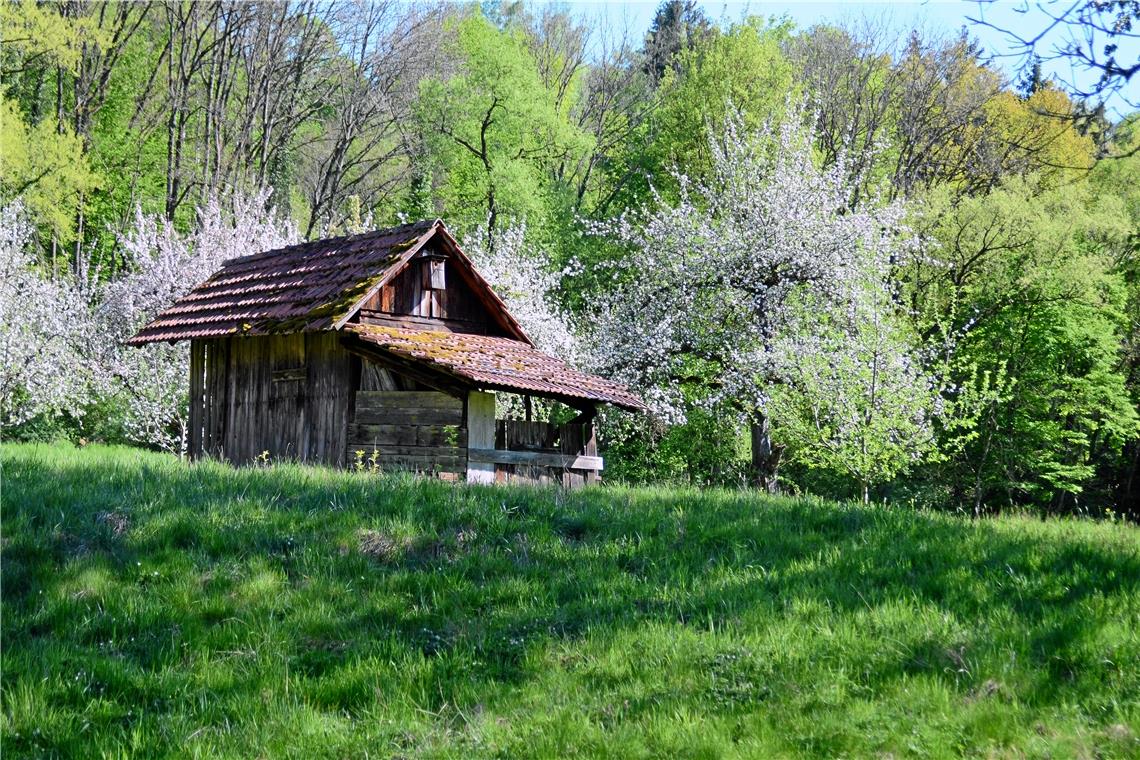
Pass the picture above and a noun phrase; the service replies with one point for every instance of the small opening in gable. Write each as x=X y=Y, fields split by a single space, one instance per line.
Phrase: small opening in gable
x=435 y=273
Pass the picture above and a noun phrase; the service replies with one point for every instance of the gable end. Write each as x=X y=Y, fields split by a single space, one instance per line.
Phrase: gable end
x=410 y=290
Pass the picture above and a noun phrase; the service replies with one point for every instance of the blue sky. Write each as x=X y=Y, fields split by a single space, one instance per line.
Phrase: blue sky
x=945 y=16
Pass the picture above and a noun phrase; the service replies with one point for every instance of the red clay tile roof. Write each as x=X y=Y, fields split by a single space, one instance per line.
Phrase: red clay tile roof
x=496 y=363
x=301 y=288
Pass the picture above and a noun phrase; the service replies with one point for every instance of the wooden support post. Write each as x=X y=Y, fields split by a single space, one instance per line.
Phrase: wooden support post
x=480 y=434
x=590 y=448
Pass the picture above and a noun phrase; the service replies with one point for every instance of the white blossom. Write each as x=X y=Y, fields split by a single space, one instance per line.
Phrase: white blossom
x=707 y=282
x=42 y=323
x=523 y=277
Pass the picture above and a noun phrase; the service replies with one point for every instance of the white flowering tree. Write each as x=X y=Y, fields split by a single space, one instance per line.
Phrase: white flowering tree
x=711 y=289
x=522 y=275
x=151 y=380
x=42 y=324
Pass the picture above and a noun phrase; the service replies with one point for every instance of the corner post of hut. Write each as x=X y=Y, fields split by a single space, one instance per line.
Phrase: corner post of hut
x=480 y=435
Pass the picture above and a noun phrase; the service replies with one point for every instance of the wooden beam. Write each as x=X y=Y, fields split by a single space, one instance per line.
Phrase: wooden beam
x=408 y=435
x=585 y=416
x=535 y=458
x=408 y=399
x=442 y=453
x=407 y=416
x=440 y=324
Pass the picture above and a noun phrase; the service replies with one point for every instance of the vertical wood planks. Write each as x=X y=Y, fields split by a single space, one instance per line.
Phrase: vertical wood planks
x=432 y=289
x=197 y=393
x=570 y=441
x=216 y=403
x=289 y=395
x=330 y=382
x=286 y=403
x=229 y=433
x=319 y=398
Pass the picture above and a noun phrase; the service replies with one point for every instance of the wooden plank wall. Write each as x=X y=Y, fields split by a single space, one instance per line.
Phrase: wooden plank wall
x=288 y=395
x=295 y=397
x=197 y=397
x=421 y=431
x=215 y=362
x=332 y=377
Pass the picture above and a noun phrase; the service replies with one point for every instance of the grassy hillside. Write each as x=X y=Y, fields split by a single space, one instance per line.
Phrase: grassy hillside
x=152 y=608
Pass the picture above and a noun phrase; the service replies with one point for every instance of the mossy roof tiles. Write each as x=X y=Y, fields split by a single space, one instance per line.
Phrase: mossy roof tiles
x=495 y=363
x=302 y=288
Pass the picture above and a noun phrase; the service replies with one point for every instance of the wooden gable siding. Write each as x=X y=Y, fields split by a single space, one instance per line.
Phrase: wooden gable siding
x=288 y=395
x=409 y=298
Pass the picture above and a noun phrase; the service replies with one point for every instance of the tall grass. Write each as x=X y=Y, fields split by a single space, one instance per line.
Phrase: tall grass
x=154 y=608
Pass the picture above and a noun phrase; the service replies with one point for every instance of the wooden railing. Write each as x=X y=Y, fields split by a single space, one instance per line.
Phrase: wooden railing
x=542 y=452
x=536 y=458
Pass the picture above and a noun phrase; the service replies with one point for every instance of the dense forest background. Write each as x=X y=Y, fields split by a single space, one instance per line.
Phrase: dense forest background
x=895 y=270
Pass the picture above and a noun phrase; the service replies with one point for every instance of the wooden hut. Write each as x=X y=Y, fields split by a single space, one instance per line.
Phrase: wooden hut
x=387 y=343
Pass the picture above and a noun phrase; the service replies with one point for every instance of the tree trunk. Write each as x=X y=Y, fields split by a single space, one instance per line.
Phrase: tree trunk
x=765 y=456
x=1128 y=496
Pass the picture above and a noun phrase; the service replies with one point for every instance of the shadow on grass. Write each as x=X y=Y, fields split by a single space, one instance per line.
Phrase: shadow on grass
x=123 y=566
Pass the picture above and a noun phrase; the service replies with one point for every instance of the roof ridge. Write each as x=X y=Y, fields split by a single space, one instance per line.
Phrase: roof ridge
x=338 y=240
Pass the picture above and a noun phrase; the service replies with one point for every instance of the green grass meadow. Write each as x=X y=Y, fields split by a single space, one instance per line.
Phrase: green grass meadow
x=153 y=608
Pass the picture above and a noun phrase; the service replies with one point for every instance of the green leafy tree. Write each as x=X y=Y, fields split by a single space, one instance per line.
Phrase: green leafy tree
x=45 y=166
x=1113 y=186
x=742 y=69
x=44 y=161
x=1037 y=134
x=494 y=131
x=1025 y=277
x=855 y=397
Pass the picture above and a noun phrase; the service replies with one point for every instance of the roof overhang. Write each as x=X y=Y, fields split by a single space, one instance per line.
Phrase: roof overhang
x=455 y=362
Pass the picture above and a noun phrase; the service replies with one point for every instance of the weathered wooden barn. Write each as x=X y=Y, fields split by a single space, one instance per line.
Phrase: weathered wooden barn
x=388 y=343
